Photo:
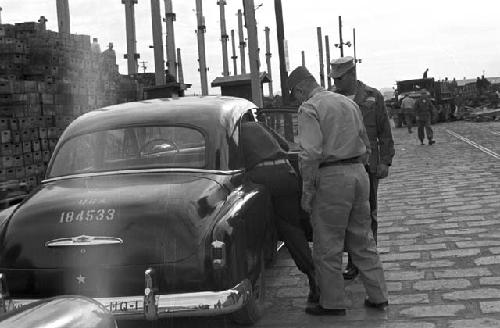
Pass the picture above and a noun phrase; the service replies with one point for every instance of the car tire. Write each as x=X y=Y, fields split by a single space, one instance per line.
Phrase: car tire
x=252 y=311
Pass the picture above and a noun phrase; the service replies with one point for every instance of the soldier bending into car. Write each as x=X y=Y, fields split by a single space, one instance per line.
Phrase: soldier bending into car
x=267 y=164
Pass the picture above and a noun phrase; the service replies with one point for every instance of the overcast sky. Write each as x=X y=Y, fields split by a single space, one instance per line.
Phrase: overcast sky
x=395 y=39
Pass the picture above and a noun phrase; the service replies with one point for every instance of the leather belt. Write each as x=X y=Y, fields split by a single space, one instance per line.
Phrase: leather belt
x=273 y=162
x=346 y=161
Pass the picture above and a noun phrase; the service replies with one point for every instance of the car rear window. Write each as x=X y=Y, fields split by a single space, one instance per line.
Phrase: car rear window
x=130 y=148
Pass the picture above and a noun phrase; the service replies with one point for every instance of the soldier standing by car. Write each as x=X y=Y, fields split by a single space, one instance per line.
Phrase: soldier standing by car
x=378 y=128
x=265 y=157
x=423 y=113
x=335 y=191
x=408 y=105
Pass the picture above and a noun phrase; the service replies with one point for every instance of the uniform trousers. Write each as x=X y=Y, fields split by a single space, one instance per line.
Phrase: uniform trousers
x=424 y=123
x=409 y=117
x=341 y=216
x=283 y=185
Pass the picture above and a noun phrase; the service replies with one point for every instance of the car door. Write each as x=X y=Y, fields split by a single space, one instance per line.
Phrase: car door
x=284 y=121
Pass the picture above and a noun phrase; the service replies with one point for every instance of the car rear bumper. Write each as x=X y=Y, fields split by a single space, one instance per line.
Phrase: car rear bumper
x=204 y=303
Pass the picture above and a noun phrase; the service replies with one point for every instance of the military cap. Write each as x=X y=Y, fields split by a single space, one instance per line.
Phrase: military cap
x=341 y=66
x=298 y=75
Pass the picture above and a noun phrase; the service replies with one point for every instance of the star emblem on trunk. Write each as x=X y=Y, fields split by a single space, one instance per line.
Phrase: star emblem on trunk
x=81 y=279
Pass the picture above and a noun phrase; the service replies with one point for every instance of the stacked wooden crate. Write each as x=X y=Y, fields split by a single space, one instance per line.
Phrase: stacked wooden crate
x=47 y=79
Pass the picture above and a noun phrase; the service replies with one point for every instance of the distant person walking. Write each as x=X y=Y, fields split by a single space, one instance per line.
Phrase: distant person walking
x=375 y=118
x=333 y=149
x=424 y=110
x=408 y=106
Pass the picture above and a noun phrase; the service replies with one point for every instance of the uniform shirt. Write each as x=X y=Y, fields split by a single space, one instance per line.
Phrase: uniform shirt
x=259 y=144
x=330 y=129
x=372 y=106
x=408 y=105
x=424 y=108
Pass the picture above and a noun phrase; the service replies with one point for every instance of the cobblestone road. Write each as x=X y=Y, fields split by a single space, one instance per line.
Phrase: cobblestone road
x=439 y=240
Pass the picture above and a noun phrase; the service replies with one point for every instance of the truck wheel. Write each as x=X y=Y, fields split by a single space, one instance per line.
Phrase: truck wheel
x=252 y=311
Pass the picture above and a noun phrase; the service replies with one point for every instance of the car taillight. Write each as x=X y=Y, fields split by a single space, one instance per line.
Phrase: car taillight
x=218 y=254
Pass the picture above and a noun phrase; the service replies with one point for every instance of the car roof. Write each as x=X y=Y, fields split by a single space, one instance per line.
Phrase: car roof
x=207 y=112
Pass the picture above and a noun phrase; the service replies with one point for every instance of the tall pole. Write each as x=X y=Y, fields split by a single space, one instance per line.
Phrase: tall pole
x=303 y=58
x=0 y=15
x=280 y=34
x=341 y=43
x=224 y=37
x=253 y=52
x=201 y=47
x=268 y=60
x=180 y=70
x=157 y=42
x=321 y=63
x=131 y=55
x=234 y=57
x=170 y=39
x=354 y=44
x=63 y=18
x=327 y=48
x=242 y=42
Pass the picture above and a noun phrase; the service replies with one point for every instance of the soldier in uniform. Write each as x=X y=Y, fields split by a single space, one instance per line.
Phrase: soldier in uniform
x=423 y=114
x=333 y=149
x=408 y=106
x=376 y=120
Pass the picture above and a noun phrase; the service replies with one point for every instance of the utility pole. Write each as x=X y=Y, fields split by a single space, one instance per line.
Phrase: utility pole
x=63 y=18
x=280 y=34
x=224 y=37
x=170 y=38
x=356 y=60
x=143 y=66
x=321 y=63
x=1 y=15
x=303 y=58
x=253 y=52
x=234 y=57
x=328 y=68
x=201 y=47
x=268 y=60
x=180 y=70
x=131 y=55
x=157 y=42
x=242 y=42
x=341 y=43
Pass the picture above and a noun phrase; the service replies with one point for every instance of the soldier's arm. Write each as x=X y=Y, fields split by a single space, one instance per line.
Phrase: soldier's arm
x=384 y=134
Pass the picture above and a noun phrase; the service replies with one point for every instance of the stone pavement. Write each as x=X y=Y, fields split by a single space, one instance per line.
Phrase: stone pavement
x=439 y=239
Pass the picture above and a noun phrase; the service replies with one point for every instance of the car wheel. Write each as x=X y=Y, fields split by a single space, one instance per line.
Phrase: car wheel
x=252 y=311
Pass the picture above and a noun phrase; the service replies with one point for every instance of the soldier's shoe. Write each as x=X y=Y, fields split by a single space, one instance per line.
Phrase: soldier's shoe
x=379 y=306
x=319 y=310
x=431 y=142
x=350 y=273
x=421 y=142
x=410 y=131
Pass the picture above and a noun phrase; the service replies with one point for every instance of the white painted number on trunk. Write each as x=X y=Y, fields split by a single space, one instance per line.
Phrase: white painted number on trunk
x=90 y=215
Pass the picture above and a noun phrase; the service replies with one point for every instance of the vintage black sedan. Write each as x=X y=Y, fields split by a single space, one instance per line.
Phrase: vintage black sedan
x=145 y=208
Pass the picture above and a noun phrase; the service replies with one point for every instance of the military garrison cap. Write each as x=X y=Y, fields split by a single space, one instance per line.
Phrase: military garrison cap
x=298 y=75
x=341 y=66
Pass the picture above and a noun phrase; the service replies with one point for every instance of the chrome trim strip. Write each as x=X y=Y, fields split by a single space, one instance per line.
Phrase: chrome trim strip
x=197 y=304
x=172 y=170
x=83 y=240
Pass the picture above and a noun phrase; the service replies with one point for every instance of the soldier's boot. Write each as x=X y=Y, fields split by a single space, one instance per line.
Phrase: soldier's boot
x=431 y=142
x=313 y=296
x=421 y=141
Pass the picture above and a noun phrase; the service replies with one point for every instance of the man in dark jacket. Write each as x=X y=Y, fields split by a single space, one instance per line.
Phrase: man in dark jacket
x=423 y=114
x=376 y=121
x=265 y=157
